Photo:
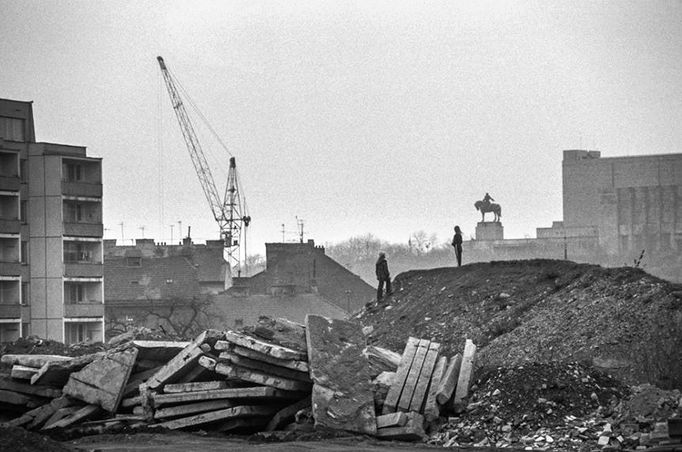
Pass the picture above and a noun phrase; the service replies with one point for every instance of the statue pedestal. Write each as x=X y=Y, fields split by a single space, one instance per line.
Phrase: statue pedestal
x=489 y=230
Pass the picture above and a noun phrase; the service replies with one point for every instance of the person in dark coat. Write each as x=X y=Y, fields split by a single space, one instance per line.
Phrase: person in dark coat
x=457 y=244
x=383 y=276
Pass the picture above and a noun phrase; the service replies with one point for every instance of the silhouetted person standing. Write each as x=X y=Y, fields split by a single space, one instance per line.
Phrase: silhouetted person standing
x=383 y=276
x=457 y=244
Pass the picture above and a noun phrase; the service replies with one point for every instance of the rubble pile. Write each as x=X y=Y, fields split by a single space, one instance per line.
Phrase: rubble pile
x=560 y=406
x=276 y=375
x=620 y=320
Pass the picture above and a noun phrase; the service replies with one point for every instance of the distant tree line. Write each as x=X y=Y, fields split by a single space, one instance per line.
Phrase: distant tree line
x=421 y=250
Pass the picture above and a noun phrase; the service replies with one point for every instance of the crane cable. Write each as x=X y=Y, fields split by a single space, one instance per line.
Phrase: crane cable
x=201 y=116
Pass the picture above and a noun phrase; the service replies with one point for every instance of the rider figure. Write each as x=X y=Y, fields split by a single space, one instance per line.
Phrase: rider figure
x=487 y=198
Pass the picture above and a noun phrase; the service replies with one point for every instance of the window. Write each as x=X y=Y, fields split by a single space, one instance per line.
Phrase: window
x=134 y=261
x=25 y=329
x=76 y=293
x=24 y=252
x=73 y=172
x=75 y=252
x=11 y=129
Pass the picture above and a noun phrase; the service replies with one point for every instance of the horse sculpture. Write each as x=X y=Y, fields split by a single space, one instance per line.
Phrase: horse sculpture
x=485 y=207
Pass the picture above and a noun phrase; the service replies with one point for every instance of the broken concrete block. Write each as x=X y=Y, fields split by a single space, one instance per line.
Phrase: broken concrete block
x=381 y=360
x=183 y=361
x=382 y=384
x=59 y=414
x=276 y=351
x=265 y=367
x=465 y=373
x=254 y=376
x=195 y=386
x=413 y=430
x=212 y=416
x=83 y=413
x=281 y=332
x=419 y=396
x=22 y=372
x=447 y=384
x=36 y=361
x=391 y=402
x=342 y=392
x=103 y=381
x=207 y=363
x=431 y=408
x=397 y=419
x=41 y=411
x=256 y=392
x=193 y=408
x=413 y=375
x=293 y=364
x=56 y=373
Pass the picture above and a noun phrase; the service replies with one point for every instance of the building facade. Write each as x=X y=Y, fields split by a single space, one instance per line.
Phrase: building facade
x=303 y=268
x=634 y=203
x=616 y=211
x=51 y=274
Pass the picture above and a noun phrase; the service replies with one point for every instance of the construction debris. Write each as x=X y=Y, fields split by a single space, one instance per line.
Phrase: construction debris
x=247 y=382
x=259 y=379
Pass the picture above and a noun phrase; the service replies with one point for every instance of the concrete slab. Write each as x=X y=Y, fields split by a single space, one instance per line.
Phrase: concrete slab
x=343 y=396
x=465 y=374
x=103 y=381
x=393 y=396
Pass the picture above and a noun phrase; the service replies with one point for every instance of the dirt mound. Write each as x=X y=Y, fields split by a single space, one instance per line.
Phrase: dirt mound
x=622 y=321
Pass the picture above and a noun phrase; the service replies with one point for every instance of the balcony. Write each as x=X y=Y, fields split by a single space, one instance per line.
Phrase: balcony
x=10 y=268
x=10 y=183
x=10 y=226
x=85 y=189
x=83 y=269
x=84 y=310
x=10 y=311
x=84 y=229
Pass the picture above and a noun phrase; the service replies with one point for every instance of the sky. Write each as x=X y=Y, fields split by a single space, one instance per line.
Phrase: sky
x=354 y=117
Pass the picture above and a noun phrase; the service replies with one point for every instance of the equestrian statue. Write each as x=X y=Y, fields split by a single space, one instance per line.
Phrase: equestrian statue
x=485 y=205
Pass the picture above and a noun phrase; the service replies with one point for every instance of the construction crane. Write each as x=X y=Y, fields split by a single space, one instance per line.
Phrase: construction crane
x=229 y=211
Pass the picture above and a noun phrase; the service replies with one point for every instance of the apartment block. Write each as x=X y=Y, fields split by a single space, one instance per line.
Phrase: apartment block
x=50 y=235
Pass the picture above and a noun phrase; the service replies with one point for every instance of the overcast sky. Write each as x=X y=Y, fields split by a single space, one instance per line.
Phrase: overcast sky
x=357 y=117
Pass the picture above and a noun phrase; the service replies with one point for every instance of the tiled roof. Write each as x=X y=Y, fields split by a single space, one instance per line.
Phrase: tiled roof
x=158 y=278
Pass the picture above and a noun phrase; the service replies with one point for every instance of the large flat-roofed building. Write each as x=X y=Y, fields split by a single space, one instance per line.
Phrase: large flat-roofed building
x=633 y=203
x=50 y=234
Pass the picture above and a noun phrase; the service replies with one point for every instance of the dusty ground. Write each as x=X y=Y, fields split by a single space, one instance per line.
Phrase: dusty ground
x=185 y=442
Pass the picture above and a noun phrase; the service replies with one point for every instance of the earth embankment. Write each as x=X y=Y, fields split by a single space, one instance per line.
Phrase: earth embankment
x=619 y=320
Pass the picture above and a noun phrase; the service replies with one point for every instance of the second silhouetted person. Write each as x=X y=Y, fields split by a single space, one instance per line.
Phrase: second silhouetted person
x=383 y=276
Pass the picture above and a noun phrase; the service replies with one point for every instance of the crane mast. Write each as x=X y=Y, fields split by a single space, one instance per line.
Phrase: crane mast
x=229 y=211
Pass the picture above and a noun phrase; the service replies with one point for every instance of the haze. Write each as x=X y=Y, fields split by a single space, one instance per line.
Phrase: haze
x=357 y=117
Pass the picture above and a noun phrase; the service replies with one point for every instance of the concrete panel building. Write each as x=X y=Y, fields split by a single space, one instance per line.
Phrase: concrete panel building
x=634 y=203
x=50 y=234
